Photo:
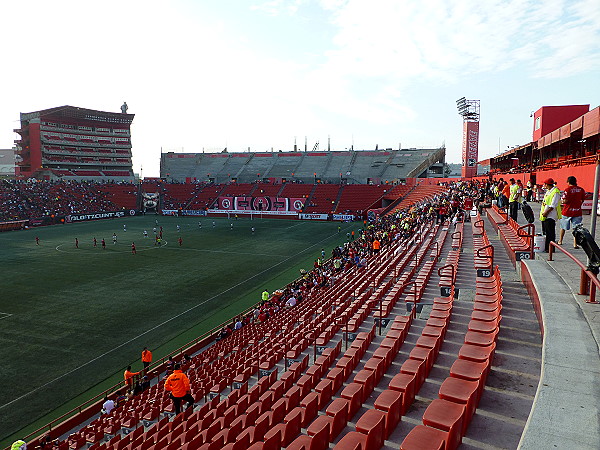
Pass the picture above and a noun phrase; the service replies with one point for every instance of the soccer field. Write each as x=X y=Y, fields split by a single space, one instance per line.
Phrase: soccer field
x=72 y=319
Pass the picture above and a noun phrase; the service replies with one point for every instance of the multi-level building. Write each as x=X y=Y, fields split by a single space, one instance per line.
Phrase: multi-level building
x=75 y=143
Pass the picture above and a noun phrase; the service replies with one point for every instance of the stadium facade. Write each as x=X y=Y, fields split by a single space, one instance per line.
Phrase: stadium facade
x=68 y=142
x=348 y=167
x=7 y=162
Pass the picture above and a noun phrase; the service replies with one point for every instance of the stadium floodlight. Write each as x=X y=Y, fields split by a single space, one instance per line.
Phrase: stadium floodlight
x=462 y=106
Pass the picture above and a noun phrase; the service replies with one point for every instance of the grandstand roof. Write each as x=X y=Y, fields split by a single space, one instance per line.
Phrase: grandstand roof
x=329 y=166
x=75 y=112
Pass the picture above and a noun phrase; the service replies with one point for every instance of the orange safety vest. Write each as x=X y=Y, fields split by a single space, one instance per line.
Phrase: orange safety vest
x=178 y=383
x=147 y=356
x=128 y=377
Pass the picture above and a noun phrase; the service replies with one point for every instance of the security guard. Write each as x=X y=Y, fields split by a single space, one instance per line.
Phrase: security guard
x=550 y=211
x=178 y=384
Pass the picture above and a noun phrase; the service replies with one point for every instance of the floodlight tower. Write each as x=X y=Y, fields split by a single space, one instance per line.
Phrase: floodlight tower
x=469 y=110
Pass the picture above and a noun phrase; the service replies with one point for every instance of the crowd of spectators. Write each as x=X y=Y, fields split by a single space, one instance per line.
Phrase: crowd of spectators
x=23 y=200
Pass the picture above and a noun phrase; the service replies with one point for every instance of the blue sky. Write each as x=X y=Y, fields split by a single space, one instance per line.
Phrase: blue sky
x=212 y=74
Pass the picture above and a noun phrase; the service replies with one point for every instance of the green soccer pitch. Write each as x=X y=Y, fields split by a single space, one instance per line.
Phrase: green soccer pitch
x=72 y=319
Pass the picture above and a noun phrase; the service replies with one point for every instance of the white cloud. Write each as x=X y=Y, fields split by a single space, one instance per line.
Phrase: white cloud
x=441 y=39
x=232 y=74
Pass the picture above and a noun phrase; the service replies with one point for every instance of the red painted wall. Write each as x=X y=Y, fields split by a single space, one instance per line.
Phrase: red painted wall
x=584 y=174
x=35 y=146
x=554 y=117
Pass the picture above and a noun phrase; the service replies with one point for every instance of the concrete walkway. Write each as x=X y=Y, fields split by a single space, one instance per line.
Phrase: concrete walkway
x=565 y=409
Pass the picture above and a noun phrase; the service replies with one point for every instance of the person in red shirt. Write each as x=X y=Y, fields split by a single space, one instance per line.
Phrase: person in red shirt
x=178 y=386
x=133 y=251
x=442 y=212
x=571 y=200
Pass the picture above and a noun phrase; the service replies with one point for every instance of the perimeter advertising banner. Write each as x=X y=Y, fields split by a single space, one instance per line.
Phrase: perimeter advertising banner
x=470 y=149
x=183 y=212
x=99 y=215
x=260 y=204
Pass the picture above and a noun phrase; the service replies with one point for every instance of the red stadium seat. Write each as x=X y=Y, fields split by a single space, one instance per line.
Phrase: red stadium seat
x=446 y=416
x=422 y=437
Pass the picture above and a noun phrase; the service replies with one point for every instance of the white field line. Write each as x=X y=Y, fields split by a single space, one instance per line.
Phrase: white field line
x=143 y=249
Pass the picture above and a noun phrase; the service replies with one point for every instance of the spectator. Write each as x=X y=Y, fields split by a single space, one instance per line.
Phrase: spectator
x=571 y=201
x=108 y=405
x=550 y=212
x=19 y=445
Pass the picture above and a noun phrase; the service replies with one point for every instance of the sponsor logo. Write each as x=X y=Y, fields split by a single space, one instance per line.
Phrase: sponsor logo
x=314 y=216
x=96 y=216
x=343 y=217
x=184 y=212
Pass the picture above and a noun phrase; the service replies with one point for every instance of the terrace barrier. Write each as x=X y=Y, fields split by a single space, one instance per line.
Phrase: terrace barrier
x=588 y=282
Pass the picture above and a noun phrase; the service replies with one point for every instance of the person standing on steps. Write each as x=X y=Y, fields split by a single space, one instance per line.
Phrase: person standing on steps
x=178 y=386
x=550 y=212
x=571 y=202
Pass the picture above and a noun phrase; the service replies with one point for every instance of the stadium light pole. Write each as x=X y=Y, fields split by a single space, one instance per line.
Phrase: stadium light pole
x=469 y=111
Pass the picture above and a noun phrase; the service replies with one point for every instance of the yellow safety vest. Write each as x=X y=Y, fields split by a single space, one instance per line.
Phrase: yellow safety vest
x=548 y=197
x=514 y=189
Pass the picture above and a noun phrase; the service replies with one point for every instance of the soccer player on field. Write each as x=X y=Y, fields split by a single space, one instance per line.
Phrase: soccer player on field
x=133 y=248
x=180 y=241
x=37 y=240
x=95 y=242
x=145 y=234
x=103 y=242
x=178 y=228
x=76 y=243
x=114 y=238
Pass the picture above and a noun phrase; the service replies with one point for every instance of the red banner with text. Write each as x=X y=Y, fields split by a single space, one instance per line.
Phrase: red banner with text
x=470 y=149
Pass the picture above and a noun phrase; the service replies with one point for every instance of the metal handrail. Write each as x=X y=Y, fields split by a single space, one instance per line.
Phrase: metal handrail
x=479 y=224
x=490 y=257
x=415 y=299
x=445 y=267
x=584 y=276
x=528 y=236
